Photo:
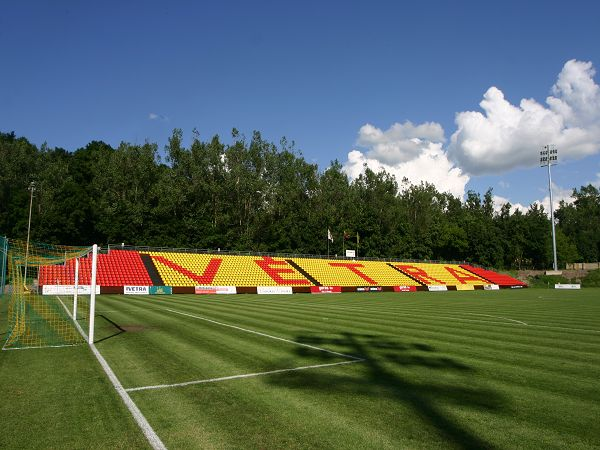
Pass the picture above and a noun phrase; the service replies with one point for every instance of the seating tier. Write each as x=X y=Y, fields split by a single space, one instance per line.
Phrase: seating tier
x=494 y=277
x=130 y=268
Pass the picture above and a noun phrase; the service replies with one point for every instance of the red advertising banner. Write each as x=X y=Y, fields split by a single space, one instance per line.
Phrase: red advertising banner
x=325 y=289
x=405 y=288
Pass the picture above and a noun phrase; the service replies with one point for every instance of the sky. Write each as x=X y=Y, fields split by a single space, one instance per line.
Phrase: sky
x=461 y=94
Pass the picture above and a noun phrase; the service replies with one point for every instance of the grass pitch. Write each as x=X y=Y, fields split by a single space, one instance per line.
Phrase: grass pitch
x=505 y=369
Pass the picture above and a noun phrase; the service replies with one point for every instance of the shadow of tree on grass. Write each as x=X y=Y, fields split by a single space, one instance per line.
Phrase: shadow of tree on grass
x=384 y=361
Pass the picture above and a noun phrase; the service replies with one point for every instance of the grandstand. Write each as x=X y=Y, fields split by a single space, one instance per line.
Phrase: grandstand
x=185 y=271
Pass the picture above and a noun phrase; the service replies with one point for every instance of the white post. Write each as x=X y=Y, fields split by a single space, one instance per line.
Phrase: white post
x=93 y=294
x=76 y=289
x=555 y=263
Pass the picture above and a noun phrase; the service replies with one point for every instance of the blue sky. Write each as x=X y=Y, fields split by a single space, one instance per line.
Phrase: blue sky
x=381 y=83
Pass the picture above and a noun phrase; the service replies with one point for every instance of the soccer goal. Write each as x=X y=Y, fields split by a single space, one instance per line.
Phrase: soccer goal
x=50 y=291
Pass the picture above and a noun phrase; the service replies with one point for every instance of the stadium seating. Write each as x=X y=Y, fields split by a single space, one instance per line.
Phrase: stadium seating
x=353 y=273
x=179 y=269
x=192 y=269
x=117 y=268
x=494 y=277
x=440 y=274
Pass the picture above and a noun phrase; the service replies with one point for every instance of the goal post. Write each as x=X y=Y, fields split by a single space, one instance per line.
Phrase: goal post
x=93 y=294
x=50 y=305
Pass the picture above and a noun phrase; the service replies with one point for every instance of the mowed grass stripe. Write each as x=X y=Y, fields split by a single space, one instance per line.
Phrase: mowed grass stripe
x=485 y=330
x=539 y=361
x=551 y=346
x=172 y=349
x=480 y=307
x=427 y=383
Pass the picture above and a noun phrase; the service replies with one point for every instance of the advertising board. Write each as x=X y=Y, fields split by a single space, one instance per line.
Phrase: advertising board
x=405 y=288
x=204 y=290
x=67 y=289
x=437 y=288
x=369 y=289
x=567 y=286
x=325 y=289
x=136 y=290
x=161 y=290
x=273 y=290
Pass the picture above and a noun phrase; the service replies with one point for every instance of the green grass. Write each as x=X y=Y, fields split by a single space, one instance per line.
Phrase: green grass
x=504 y=369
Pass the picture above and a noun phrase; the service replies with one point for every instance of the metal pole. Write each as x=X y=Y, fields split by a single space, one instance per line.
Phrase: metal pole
x=552 y=217
x=31 y=188
x=547 y=156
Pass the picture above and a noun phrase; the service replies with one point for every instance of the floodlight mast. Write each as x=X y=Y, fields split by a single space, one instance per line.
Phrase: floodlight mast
x=549 y=157
x=31 y=188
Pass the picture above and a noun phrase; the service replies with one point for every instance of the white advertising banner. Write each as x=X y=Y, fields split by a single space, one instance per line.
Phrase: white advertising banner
x=136 y=290
x=437 y=288
x=567 y=286
x=491 y=287
x=215 y=290
x=67 y=289
x=268 y=290
x=350 y=253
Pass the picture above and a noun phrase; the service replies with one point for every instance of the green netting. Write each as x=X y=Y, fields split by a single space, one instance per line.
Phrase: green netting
x=40 y=285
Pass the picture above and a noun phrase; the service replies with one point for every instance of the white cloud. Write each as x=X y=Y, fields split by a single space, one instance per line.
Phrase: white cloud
x=410 y=151
x=502 y=137
x=500 y=201
x=506 y=136
x=558 y=194
x=154 y=116
x=402 y=142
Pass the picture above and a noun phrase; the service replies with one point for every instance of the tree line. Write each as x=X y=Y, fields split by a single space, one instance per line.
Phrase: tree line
x=254 y=195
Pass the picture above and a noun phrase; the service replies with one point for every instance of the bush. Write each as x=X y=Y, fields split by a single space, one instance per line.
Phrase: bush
x=545 y=281
x=592 y=279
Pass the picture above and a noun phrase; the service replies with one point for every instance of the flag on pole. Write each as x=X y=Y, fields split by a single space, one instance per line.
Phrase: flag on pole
x=329 y=235
x=357 y=238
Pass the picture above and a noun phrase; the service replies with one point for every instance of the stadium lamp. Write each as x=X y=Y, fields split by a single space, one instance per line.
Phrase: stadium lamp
x=31 y=188
x=549 y=157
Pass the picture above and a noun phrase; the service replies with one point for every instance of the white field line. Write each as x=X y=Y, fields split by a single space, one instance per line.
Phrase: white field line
x=497 y=317
x=265 y=335
x=141 y=420
x=530 y=325
x=587 y=330
x=234 y=377
x=460 y=319
x=463 y=319
x=41 y=346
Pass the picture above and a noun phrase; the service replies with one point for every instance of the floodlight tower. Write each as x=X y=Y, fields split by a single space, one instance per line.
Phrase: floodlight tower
x=549 y=157
x=31 y=188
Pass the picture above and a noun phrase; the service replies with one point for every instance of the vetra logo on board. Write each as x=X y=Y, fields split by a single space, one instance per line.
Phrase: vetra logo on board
x=140 y=290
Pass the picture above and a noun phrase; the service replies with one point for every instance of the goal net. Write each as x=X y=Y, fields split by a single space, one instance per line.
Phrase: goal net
x=49 y=291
